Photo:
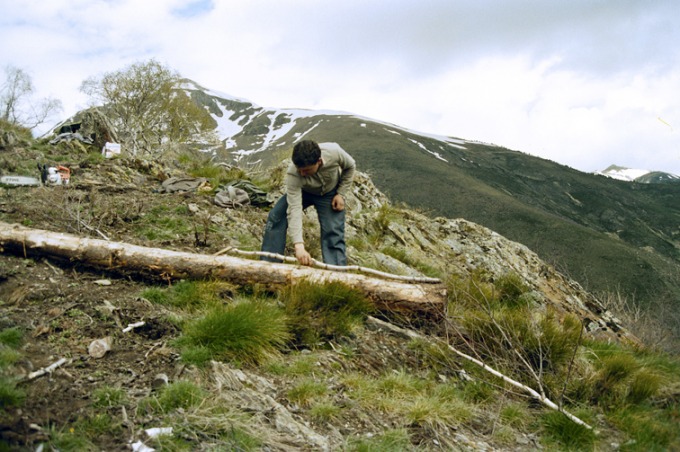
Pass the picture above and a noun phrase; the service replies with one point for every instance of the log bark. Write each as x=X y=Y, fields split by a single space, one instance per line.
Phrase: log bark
x=422 y=302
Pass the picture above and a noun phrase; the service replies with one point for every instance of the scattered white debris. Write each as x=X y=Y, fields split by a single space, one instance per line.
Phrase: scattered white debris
x=157 y=431
x=132 y=326
x=141 y=447
x=99 y=347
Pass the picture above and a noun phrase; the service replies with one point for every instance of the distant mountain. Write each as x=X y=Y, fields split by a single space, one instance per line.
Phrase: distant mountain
x=639 y=175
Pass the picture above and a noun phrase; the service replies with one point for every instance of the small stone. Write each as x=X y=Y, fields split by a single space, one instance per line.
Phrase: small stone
x=159 y=381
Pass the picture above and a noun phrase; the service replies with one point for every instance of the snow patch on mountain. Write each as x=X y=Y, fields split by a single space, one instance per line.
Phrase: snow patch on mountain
x=423 y=147
x=622 y=173
x=639 y=175
x=236 y=113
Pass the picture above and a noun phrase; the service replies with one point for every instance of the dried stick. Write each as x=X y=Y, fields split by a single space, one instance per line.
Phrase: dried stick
x=544 y=400
x=339 y=268
x=46 y=370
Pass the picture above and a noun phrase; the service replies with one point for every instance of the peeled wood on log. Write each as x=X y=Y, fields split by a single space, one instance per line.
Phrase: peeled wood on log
x=425 y=301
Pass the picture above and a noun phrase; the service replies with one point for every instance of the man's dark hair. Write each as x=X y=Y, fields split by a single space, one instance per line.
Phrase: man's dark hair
x=306 y=153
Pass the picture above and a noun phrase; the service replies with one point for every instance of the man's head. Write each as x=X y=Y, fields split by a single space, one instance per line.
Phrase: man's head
x=307 y=157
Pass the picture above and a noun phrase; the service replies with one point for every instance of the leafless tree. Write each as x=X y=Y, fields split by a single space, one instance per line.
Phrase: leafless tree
x=17 y=105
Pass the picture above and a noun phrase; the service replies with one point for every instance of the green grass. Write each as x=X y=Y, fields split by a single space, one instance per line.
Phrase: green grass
x=97 y=425
x=180 y=395
x=569 y=435
x=108 y=396
x=165 y=223
x=10 y=394
x=648 y=428
x=69 y=439
x=325 y=411
x=320 y=312
x=394 y=440
x=11 y=337
x=533 y=346
x=246 y=331
x=410 y=399
x=292 y=364
x=405 y=256
x=306 y=391
x=190 y=295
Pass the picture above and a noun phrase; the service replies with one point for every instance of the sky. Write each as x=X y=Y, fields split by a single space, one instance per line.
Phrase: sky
x=585 y=83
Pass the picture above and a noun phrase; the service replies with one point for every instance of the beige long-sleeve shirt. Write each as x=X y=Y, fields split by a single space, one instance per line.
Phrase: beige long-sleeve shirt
x=337 y=170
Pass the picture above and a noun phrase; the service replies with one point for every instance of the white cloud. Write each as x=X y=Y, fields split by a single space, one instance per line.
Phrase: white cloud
x=582 y=83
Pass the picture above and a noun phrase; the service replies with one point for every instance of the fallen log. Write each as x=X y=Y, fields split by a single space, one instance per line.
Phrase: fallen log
x=424 y=302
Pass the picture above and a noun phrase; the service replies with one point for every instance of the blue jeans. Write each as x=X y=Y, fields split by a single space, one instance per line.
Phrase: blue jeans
x=332 y=228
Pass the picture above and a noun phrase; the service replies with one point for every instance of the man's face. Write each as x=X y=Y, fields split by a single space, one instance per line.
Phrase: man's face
x=309 y=170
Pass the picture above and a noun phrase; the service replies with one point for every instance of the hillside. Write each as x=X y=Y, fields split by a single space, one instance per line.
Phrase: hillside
x=299 y=375
x=609 y=235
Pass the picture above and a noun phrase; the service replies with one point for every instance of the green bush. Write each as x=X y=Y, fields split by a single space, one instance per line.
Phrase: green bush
x=569 y=434
x=10 y=395
x=108 y=396
x=245 y=331
x=397 y=440
x=11 y=337
x=323 y=311
x=644 y=385
x=190 y=295
x=10 y=340
x=510 y=289
x=182 y=394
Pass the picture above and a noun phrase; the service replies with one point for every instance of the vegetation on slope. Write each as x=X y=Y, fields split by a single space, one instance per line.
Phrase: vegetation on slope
x=239 y=361
x=611 y=236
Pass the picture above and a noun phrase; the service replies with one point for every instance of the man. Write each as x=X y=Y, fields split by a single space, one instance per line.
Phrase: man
x=320 y=175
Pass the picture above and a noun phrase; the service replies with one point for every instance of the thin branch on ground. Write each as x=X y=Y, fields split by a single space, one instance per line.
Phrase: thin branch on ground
x=339 y=268
x=542 y=399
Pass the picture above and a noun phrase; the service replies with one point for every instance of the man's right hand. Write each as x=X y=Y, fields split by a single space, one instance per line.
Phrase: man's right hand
x=301 y=254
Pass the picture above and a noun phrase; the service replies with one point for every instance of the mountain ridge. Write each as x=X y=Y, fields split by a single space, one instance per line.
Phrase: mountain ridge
x=639 y=175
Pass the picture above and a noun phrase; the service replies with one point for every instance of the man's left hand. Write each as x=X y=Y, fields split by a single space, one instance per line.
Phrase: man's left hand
x=338 y=203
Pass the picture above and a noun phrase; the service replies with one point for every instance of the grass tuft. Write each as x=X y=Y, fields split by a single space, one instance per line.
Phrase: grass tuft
x=181 y=394
x=396 y=440
x=323 y=311
x=11 y=337
x=246 y=331
x=190 y=295
x=108 y=396
x=570 y=435
x=305 y=392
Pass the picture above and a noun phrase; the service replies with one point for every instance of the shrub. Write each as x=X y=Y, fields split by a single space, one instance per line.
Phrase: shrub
x=10 y=395
x=323 y=311
x=568 y=433
x=306 y=391
x=246 y=330
x=190 y=295
x=510 y=289
x=11 y=337
x=108 y=396
x=181 y=394
x=644 y=385
x=395 y=440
